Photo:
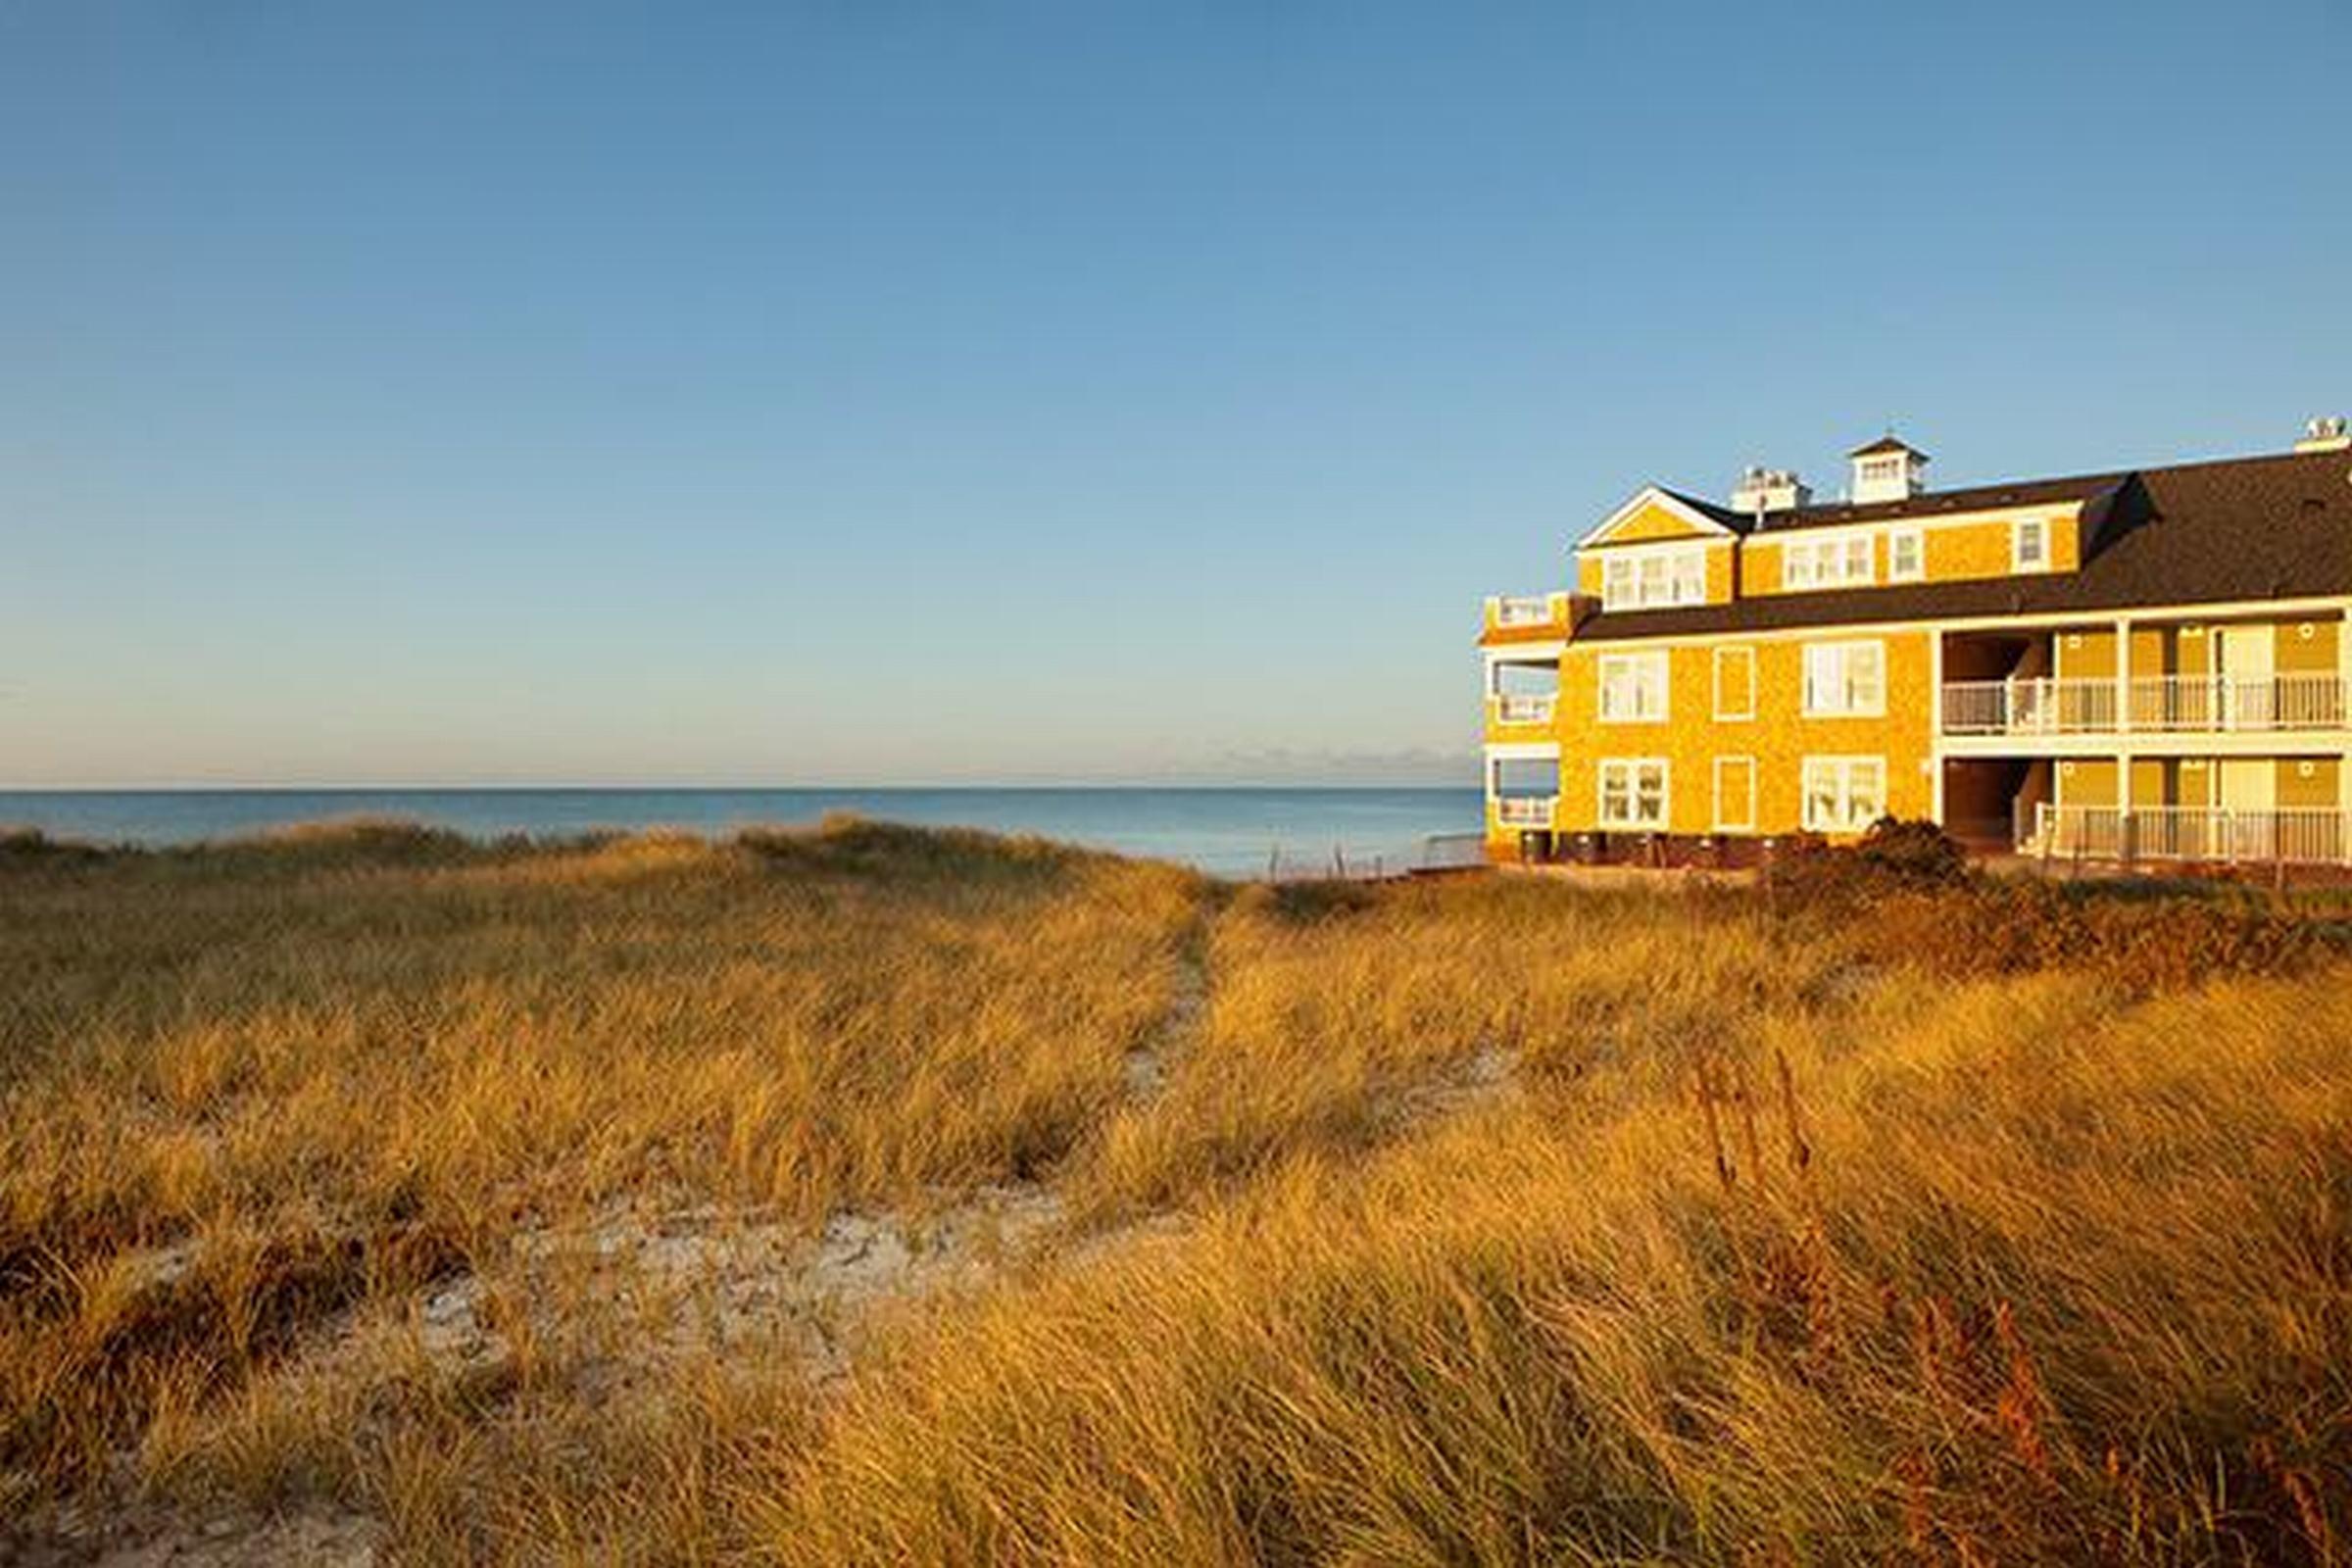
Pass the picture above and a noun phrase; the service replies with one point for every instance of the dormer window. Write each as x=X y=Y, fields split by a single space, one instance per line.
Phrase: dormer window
x=1654 y=580
x=2029 y=545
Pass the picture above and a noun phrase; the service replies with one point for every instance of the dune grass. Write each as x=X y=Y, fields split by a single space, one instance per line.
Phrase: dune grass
x=1864 y=1217
x=335 y=1065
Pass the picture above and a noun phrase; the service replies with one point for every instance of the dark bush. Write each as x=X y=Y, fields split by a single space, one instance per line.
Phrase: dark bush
x=31 y=847
x=1892 y=855
x=2140 y=945
x=1919 y=854
x=1906 y=896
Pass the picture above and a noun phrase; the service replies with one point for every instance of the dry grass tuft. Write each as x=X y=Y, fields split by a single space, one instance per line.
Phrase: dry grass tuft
x=859 y=1194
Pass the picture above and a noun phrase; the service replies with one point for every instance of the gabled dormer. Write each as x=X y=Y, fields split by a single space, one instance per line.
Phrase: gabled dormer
x=1659 y=549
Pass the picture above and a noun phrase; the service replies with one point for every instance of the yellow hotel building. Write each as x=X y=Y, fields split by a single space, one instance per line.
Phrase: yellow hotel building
x=2144 y=664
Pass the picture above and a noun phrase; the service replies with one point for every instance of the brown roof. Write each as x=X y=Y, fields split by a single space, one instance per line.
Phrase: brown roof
x=2245 y=528
x=1885 y=443
x=1943 y=503
x=1739 y=521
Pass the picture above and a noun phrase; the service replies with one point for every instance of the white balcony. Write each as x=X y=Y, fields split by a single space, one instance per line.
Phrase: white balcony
x=2174 y=703
x=2309 y=836
x=1524 y=811
x=2149 y=704
x=1527 y=614
x=1524 y=611
x=1532 y=707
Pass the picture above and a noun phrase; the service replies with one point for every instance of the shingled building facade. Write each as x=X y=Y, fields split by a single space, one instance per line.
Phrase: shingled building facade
x=2141 y=664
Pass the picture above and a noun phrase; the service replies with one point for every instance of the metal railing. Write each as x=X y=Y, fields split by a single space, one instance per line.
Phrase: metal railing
x=1524 y=811
x=2042 y=705
x=1523 y=707
x=2293 y=836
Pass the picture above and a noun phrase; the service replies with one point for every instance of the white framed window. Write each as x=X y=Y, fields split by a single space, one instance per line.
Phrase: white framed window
x=1844 y=793
x=1633 y=688
x=1654 y=578
x=1906 y=556
x=1846 y=680
x=1735 y=795
x=1735 y=683
x=1633 y=792
x=2029 y=545
x=1834 y=562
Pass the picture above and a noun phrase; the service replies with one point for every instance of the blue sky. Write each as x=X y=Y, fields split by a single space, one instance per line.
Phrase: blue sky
x=913 y=393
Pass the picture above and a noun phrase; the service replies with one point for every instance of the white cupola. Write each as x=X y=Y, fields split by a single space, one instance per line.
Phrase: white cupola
x=1888 y=469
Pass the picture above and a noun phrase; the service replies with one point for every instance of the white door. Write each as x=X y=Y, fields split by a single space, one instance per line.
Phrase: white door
x=2244 y=657
x=2248 y=787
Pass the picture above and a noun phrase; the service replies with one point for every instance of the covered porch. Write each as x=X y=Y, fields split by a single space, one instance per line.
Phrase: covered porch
x=2130 y=675
x=2179 y=808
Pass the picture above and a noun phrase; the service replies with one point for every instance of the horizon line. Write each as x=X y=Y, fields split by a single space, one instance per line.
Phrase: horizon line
x=5 y=789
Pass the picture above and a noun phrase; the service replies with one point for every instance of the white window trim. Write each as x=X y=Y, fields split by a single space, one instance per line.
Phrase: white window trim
x=1748 y=824
x=1658 y=660
x=1600 y=794
x=1684 y=583
x=1844 y=763
x=1806 y=684
x=1747 y=652
x=2017 y=544
x=1827 y=560
x=1919 y=554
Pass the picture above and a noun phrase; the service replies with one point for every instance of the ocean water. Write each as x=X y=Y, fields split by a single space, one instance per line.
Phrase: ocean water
x=1233 y=832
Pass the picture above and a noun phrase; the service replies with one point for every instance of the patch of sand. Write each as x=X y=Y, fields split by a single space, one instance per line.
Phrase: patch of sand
x=315 y=1536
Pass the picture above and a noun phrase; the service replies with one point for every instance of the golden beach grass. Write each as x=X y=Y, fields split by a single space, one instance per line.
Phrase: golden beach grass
x=1490 y=1221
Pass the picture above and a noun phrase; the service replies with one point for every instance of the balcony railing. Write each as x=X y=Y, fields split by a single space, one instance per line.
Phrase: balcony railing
x=1524 y=811
x=1527 y=612
x=1523 y=707
x=2158 y=704
x=2237 y=702
x=2295 y=836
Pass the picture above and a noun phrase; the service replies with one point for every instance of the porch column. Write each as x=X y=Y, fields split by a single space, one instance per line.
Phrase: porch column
x=2126 y=831
x=2343 y=764
x=2123 y=673
x=1935 y=726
